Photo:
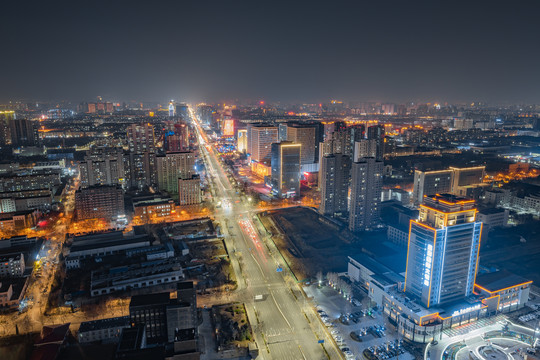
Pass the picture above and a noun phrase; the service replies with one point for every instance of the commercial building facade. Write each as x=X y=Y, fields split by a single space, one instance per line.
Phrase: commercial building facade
x=286 y=162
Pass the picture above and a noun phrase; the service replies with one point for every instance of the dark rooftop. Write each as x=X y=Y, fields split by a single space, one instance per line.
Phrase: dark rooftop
x=104 y=324
x=150 y=299
x=499 y=280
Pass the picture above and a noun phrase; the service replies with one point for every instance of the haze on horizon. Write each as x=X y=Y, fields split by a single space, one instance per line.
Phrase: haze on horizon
x=305 y=51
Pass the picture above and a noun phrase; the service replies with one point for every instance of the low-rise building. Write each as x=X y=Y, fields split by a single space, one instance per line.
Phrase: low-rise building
x=12 y=291
x=122 y=278
x=153 y=207
x=493 y=217
x=12 y=265
x=503 y=290
x=104 y=330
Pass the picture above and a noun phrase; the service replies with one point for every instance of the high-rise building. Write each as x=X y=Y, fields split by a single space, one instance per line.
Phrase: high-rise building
x=102 y=166
x=140 y=169
x=23 y=132
x=205 y=113
x=304 y=135
x=365 y=148
x=141 y=138
x=442 y=257
x=241 y=144
x=377 y=133
x=282 y=132
x=176 y=136
x=5 y=118
x=286 y=157
x=260 y=140
x=182 y=111
x=96 y=202
x=173 y=166
x=172 y=109
x=334 y=183
x=366 y=186
x=189 y=190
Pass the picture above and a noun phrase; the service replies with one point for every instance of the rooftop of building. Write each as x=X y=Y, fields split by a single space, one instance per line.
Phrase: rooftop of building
x=152 y=200
x=76 y=247
x=448 y=199
x=491 y=210
x=122 y=321
x=131 y=338
x=184 y=285
x=499 y=280
x=163 y=298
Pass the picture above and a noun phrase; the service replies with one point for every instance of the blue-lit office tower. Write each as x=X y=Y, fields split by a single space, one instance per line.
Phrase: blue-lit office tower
x=442 y=255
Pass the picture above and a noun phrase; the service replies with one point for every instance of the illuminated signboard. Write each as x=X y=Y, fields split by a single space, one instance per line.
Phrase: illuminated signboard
x=228 y=128
x=427 y=267
x=466 y=310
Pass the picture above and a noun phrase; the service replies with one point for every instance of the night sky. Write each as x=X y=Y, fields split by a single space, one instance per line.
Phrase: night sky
x=276 y=51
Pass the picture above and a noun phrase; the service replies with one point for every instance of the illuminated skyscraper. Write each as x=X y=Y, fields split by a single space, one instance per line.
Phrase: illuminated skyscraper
x=242 y=140
x=442 y=256
x=286 y=158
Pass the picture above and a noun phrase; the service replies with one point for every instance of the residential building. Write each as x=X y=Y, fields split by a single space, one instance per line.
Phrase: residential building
x=377 y=133
x=334 y=180
x=12 y=265
x=366 y=186
x=173 y=166
x=189 y=190
x=96 y=202
x=102 y=166
x=23 y=132
x=141 y=138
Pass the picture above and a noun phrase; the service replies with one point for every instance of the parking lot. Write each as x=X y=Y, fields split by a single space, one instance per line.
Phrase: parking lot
x=356 y=327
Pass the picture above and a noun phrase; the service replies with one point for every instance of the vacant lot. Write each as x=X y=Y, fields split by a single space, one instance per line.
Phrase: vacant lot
x=310 y=242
